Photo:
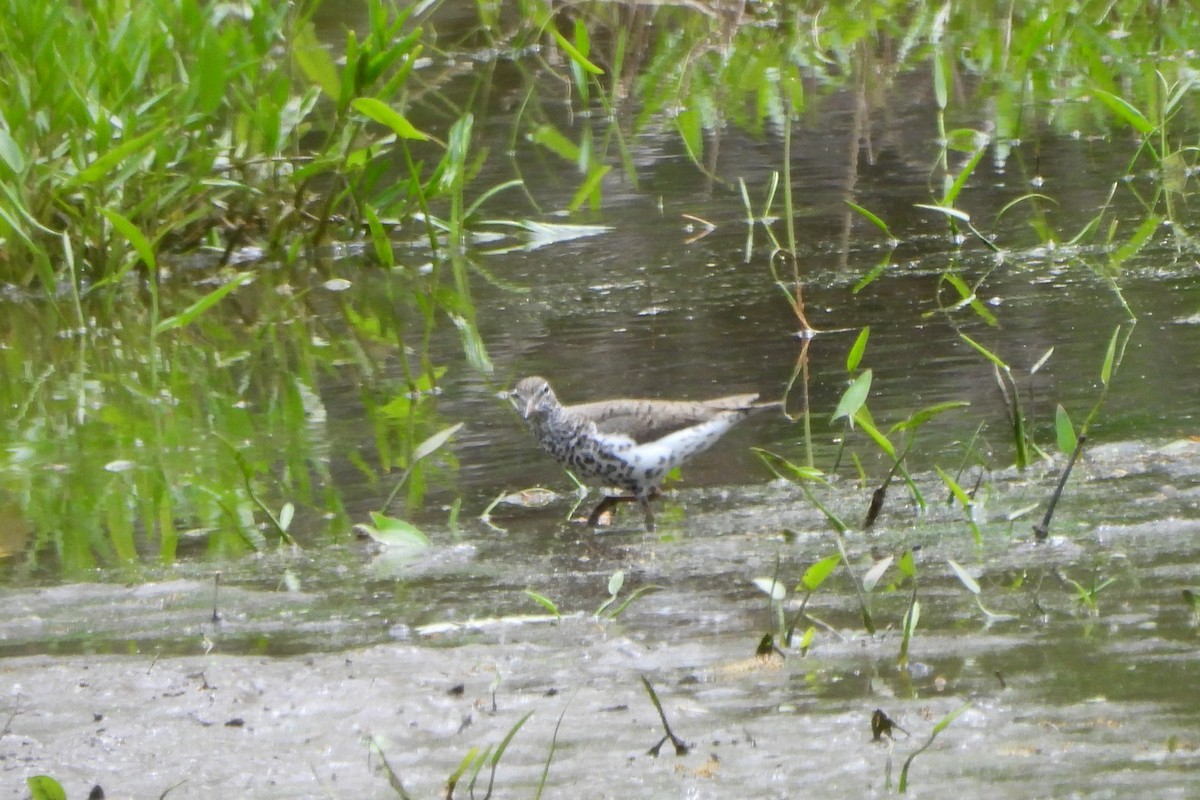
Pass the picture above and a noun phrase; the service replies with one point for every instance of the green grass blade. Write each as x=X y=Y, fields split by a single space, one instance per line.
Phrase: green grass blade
x=544 y=602
x=508 y=737
x=590 y=188
x=691 y=130
x=920 y=417
x=856 y=352
x=963 y=176
x=946 y=210
x=434 y=442
x=1126 y=111
x=815 y=575
x=964 y=577
x=553 y=140
x=1109 y=357
x=938 y=728
x=316 y=63
x=782 y=468
x=854 y=397
x=574 y=53
x=983 y=351
x=107 y=162
x=1136 y=242
x=135 y=237
x=1064 y=431
x=203 y=304
x=384 y=114
x=876 y=435
x=875 y=220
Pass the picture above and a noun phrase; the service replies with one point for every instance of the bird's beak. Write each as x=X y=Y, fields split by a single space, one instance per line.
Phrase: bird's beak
x=524 y=409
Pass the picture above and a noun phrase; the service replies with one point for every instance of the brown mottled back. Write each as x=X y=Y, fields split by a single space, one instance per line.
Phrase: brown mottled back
x=647 y=420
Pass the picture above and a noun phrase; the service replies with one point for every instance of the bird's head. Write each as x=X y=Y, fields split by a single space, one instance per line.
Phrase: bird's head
x=532 y=396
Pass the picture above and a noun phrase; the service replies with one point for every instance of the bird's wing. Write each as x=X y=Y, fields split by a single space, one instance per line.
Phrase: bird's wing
x=648 y=420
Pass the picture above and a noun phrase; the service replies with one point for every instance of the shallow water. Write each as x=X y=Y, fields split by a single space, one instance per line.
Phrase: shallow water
x=447 y=652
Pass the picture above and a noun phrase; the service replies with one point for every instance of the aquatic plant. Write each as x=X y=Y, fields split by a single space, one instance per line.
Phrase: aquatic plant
x=235 y=133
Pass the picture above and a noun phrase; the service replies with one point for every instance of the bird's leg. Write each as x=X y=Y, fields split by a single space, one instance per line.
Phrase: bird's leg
x=644 y=502
x=606 y=504
x=612 y=500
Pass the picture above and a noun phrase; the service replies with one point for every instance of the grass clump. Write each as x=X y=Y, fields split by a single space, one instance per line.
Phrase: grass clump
x=215 y=124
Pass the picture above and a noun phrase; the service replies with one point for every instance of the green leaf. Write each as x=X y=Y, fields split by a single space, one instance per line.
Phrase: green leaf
x=815 y=575
x=638 y=592
x=385 y=115
x=508 y=737
x=543 y=601
x=782 y=468
x=961 y=179
x=1064 y=431
x=434 y=442
x=197 y=308
x=573 y=53
x=959 y=493
x=873 y=274
x=109 y=161
x=806 y=640
x=380 y=241
x=967 y=297
x=550 y=138
x=135 y=237
x=490 y=193
x=856 y=352
x=395 y=533
x=879 y=223
x=854 y=397
x=907 y=565
x=946 y=720
x=316 y=63
x=1123 y=109
x=583 y=42
x=941 y=78
x=1136 y=242
x=43 y=787
x=10 y=152
x=472 y=344
x=616 y=582
x=965 y=140
x=461 y=769
x=863 y=420
x=920 y=417
x=983 y=351
x=948 y=211
x=964 y=577
x=590 y=185
x=692 y=131
x=286 y=514
x=911 y=619
x=1109 y=357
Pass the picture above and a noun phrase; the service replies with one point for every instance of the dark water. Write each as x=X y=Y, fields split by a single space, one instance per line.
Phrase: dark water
x=640 y=311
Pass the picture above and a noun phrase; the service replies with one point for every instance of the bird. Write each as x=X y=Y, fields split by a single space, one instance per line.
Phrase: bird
x=627 y=444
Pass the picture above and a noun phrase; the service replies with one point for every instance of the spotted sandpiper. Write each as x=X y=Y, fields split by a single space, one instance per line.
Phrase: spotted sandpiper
x=627 y=444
